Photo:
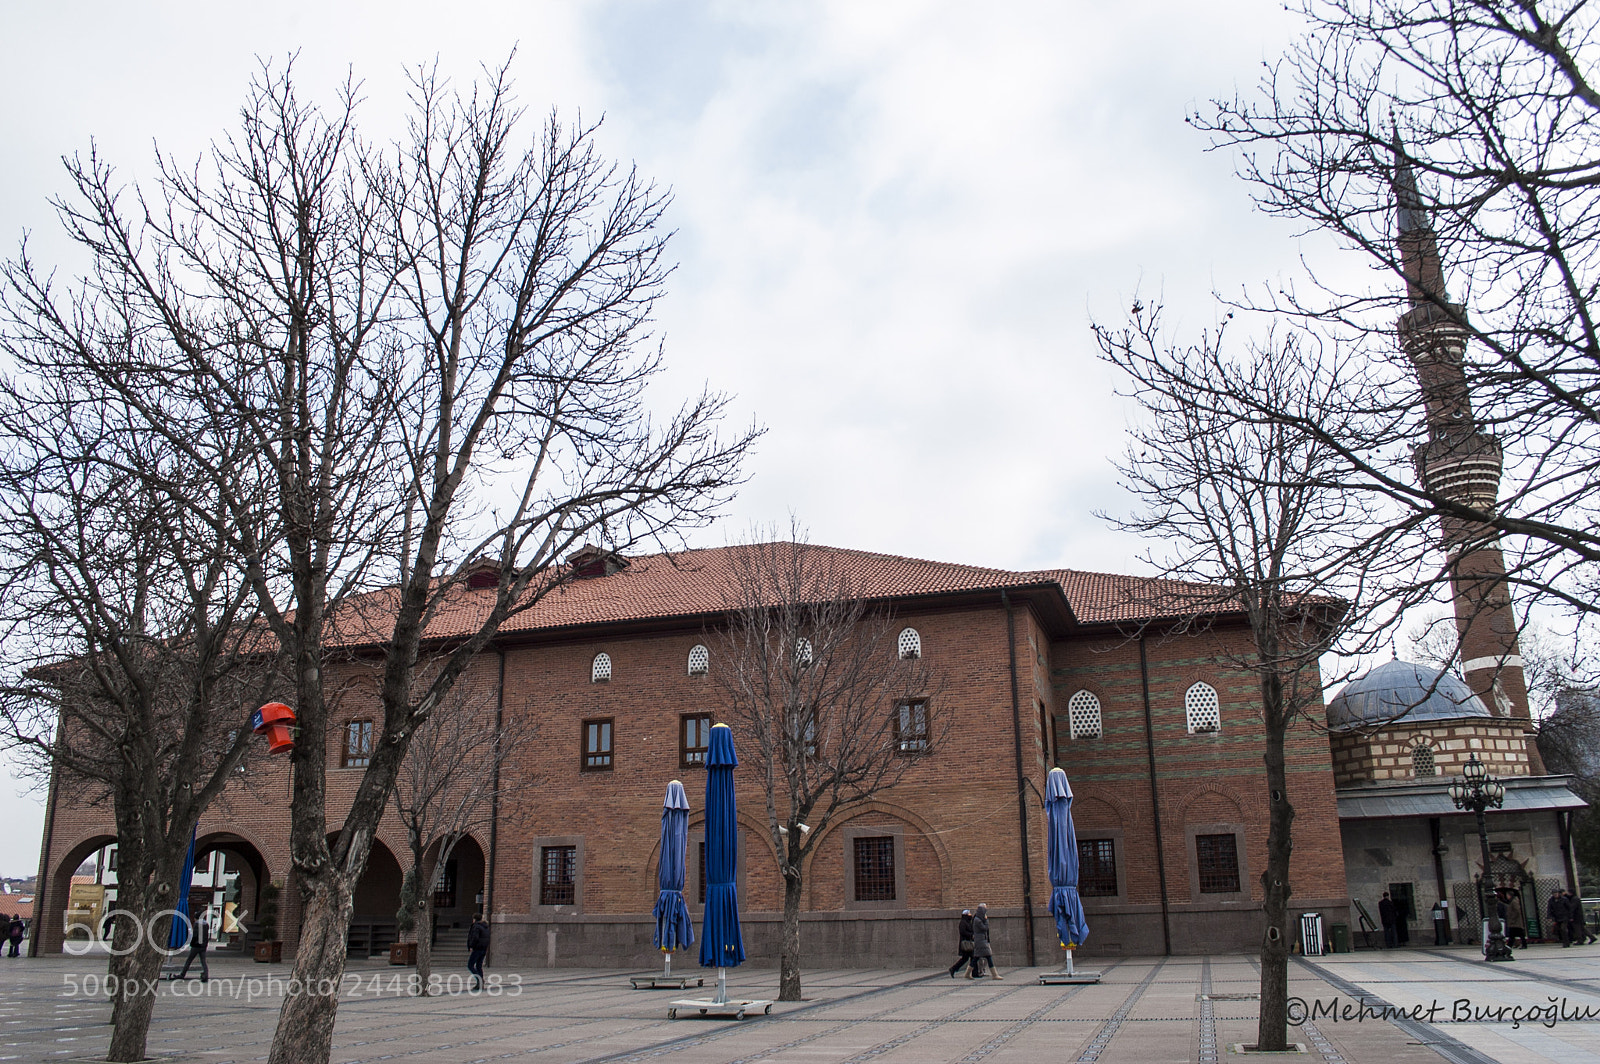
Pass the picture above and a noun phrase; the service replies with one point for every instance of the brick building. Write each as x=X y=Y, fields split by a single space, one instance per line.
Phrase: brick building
x=1160 y=738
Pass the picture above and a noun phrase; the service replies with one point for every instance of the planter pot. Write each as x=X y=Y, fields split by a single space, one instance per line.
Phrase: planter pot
x=269 y=952
x=403 y=953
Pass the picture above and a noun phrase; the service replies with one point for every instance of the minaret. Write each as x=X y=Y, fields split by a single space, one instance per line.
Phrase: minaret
x=1459 y=462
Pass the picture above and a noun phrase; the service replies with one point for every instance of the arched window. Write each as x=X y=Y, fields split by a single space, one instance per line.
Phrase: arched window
x=910 y=643
x=802 y=652
x=600 y=672
x=699 y=660
x=1201 y=708
x=1083 y=713
x=1422 y=761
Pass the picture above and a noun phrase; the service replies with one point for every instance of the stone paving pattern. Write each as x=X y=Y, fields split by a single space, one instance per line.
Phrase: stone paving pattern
x=1180 y=1009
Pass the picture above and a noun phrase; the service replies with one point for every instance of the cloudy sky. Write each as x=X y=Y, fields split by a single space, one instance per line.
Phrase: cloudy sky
x=895 y=220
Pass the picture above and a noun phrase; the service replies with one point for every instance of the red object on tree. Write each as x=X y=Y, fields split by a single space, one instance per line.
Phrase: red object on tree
x=276 y=721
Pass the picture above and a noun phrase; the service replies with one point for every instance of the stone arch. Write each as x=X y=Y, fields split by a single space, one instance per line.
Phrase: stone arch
x=898 y=812
x=1210 y=805
x=48 y=931
x=1098 y=811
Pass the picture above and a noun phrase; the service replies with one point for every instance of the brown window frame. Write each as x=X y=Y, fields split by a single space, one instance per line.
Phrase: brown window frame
x=1214 y=877
x=693 y=756
x=350 y=756
x=558 y=890
x=871 y=883
x=919 y=742
x=1097 y=868
x=598 y=758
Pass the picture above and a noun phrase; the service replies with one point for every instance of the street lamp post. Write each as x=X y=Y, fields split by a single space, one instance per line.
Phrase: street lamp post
x=1475 y=791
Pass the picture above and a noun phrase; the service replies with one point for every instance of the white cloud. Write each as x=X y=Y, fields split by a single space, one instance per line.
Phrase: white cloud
x=895 y=219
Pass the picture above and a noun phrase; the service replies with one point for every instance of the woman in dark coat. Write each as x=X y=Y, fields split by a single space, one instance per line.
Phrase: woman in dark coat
x=982 y=953
x=964 y=944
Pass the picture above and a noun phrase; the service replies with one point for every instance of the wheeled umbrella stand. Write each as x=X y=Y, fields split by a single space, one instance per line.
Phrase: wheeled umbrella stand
x=720 y=1005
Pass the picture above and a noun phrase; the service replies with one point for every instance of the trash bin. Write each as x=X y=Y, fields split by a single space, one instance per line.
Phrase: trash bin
x=1339 y=937
x=1311 y=934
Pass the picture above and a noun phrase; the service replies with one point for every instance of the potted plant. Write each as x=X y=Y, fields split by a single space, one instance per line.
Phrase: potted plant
x=269 y=950
x=405 y=952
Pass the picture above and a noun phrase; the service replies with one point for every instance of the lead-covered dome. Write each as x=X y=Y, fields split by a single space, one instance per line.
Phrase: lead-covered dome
x=1400 y=690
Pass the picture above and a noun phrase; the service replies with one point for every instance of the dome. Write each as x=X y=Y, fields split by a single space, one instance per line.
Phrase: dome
x=1403 y=691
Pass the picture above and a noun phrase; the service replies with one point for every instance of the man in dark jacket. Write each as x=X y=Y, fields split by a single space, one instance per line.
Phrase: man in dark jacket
x=199 y=939
x=477 y=949
x=1386 y=916
x=16 y=931
x=1556 y=910
x=964 y=943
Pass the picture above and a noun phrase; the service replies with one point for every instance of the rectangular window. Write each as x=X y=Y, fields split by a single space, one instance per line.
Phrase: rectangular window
x=357 y=744
x=596 y=744
x=694 y=740
x=1218 y=857
x=1097 y=868
x=558 y=879
x=911 y=728
x=874 y=866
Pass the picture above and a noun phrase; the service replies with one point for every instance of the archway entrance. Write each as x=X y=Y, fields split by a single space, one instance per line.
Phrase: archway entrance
x=457 y=889
x=228 y=874
x=74 y=901
x=373 y=923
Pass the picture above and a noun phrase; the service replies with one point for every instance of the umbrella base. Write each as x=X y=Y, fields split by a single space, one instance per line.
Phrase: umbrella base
x=665 y=982
x=1059 y=978
x=707 y=1009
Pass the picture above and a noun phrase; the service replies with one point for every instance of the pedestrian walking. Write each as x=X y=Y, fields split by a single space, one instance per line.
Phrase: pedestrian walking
x=477 y=949
x=1516 y=920
x=1578 y=927
x=199 y=939
x=982 y=952
x=1386 y=916
x=963 y=943
x=1556 y=910
x=15 y=932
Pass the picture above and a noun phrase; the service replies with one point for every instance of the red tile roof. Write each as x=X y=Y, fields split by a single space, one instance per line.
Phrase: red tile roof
x=701 y=583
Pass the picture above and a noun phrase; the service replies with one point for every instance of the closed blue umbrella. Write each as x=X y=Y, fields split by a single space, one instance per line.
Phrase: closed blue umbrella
x=1061 y=843
x=179 y=931
x=721 y=945
x=674 y=929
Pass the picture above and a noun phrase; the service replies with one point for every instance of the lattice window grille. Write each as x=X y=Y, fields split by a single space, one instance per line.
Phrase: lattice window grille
x=1422 y=763
x=1083 y=711
x=699 y=660
x=802 y=653
x=601 y=670
x=910 y=643
x=1202 y=708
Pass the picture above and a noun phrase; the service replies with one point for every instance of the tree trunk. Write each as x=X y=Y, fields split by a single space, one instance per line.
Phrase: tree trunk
x=1272 y=1031
x=789 y=957
x=133 y=1011
x=423 y=916
x=305 y=1023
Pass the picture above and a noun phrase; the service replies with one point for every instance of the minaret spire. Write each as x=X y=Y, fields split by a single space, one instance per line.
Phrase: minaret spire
x=1459 y=461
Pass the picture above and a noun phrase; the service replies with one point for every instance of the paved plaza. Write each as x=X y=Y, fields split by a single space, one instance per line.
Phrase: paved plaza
x=1144 y=1010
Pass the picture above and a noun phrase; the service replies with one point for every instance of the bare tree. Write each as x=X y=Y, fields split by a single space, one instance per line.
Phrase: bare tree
x=462 y=760
x=436 y=355
x=834 y=711
x=133 y=658
x=1490 y=105
x=1244 y=506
